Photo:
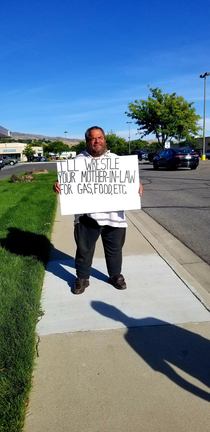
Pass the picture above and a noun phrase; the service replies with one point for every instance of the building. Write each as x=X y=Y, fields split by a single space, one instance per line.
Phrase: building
x=14 y=149
x=207 y=142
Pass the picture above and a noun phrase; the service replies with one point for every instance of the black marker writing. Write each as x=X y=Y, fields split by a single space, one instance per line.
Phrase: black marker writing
x=66 y=177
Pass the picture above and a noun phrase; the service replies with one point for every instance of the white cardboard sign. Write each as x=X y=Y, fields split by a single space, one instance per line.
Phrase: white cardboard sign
x=90 y=185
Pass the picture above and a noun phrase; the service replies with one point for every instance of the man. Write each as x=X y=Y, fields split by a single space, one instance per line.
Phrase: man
x=88 y=227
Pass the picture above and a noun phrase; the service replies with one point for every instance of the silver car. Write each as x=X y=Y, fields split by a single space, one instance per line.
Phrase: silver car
x=10 y=160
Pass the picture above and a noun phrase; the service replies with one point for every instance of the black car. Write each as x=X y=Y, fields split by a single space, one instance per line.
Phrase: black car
x=175 y=158
x=138 y=153
x=151 y=156
x=2 y=164
x=141 y=154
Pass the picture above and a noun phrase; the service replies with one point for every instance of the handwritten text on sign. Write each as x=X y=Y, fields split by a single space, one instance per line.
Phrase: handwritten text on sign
x=90 y=185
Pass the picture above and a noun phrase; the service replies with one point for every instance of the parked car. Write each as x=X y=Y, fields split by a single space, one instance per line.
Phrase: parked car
x=151 y=156
x=175 y=158
x=141 y=154
x=2 y=164
x=144 y=155
x=138 y=153
x=10 y=160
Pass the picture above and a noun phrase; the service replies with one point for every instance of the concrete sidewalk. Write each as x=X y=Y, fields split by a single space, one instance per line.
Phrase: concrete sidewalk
x=133 y=360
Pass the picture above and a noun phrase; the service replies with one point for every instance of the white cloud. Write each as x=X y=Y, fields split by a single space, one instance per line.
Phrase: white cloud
x=207 y=126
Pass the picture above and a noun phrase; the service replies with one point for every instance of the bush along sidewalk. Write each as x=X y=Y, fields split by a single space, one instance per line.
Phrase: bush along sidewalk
x=26 y=220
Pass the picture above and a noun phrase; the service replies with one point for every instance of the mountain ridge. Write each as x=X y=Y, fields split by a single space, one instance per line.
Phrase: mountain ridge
x=24 y=136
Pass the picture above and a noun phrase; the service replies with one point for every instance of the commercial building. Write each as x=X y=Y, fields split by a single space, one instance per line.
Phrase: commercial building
x=14 y=149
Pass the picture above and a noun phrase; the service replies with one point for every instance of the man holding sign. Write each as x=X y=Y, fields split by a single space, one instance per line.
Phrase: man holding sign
x=88 y=227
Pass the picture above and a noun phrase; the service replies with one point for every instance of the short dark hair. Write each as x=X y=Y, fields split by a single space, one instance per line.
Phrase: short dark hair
x=87 y=133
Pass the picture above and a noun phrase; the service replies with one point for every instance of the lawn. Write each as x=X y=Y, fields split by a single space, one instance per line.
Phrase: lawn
x=27 y=213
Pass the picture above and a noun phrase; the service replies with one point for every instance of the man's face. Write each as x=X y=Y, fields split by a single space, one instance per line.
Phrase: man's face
x=96 y=144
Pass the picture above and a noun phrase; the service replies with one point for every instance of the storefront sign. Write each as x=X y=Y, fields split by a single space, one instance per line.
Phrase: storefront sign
x=8 y=150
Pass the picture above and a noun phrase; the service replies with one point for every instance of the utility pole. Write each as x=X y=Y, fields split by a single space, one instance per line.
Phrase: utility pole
x=204 y=114
x=129 y=149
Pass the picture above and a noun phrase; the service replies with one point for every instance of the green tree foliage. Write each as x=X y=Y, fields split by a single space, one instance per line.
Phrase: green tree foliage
x=45 y=150
x=36 y=143
x=138 y=145
x=28 y=151
x=56 y=147
x=78 y=148
x=191 y=142
x=154 y=147
x=116 y=144
x=166 y=116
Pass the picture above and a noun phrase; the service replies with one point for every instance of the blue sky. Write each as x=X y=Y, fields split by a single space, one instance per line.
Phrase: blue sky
x=67 y=65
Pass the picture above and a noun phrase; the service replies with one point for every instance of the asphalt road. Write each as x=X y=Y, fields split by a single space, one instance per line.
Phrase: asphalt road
x=8 y=170
x=178 y=200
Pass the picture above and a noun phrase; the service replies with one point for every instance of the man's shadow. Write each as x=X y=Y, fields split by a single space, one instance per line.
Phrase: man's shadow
x=26 y=243
x=160 y=343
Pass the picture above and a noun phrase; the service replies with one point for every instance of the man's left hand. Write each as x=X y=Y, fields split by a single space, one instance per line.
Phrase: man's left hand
x=140 y=189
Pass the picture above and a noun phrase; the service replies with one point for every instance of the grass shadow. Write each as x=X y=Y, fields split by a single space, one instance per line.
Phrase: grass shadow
x=26 y=243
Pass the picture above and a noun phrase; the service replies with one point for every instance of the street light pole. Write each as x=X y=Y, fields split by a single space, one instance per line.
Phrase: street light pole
x=204 y=113
x=65 y=133
x=129 y=150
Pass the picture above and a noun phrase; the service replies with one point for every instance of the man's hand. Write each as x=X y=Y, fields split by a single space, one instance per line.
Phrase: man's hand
x=56 y=188
x=140 y=189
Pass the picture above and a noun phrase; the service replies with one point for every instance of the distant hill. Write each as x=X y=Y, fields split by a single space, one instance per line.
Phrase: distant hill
x=24 y=136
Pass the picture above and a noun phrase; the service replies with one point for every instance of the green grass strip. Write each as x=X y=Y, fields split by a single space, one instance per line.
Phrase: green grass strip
x=27 y=213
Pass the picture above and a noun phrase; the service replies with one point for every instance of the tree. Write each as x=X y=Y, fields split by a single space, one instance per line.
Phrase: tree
x=167 y=116
x=191 y=142
x=28 y=152
x=57 y=147
x=138 y=144
x=79 y=147
x=115 y=143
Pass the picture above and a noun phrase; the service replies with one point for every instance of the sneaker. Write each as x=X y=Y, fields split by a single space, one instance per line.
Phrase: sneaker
x=80 y=285
x=118 y=282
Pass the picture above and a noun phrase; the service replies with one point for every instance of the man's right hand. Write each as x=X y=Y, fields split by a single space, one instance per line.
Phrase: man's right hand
x=56 y=188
